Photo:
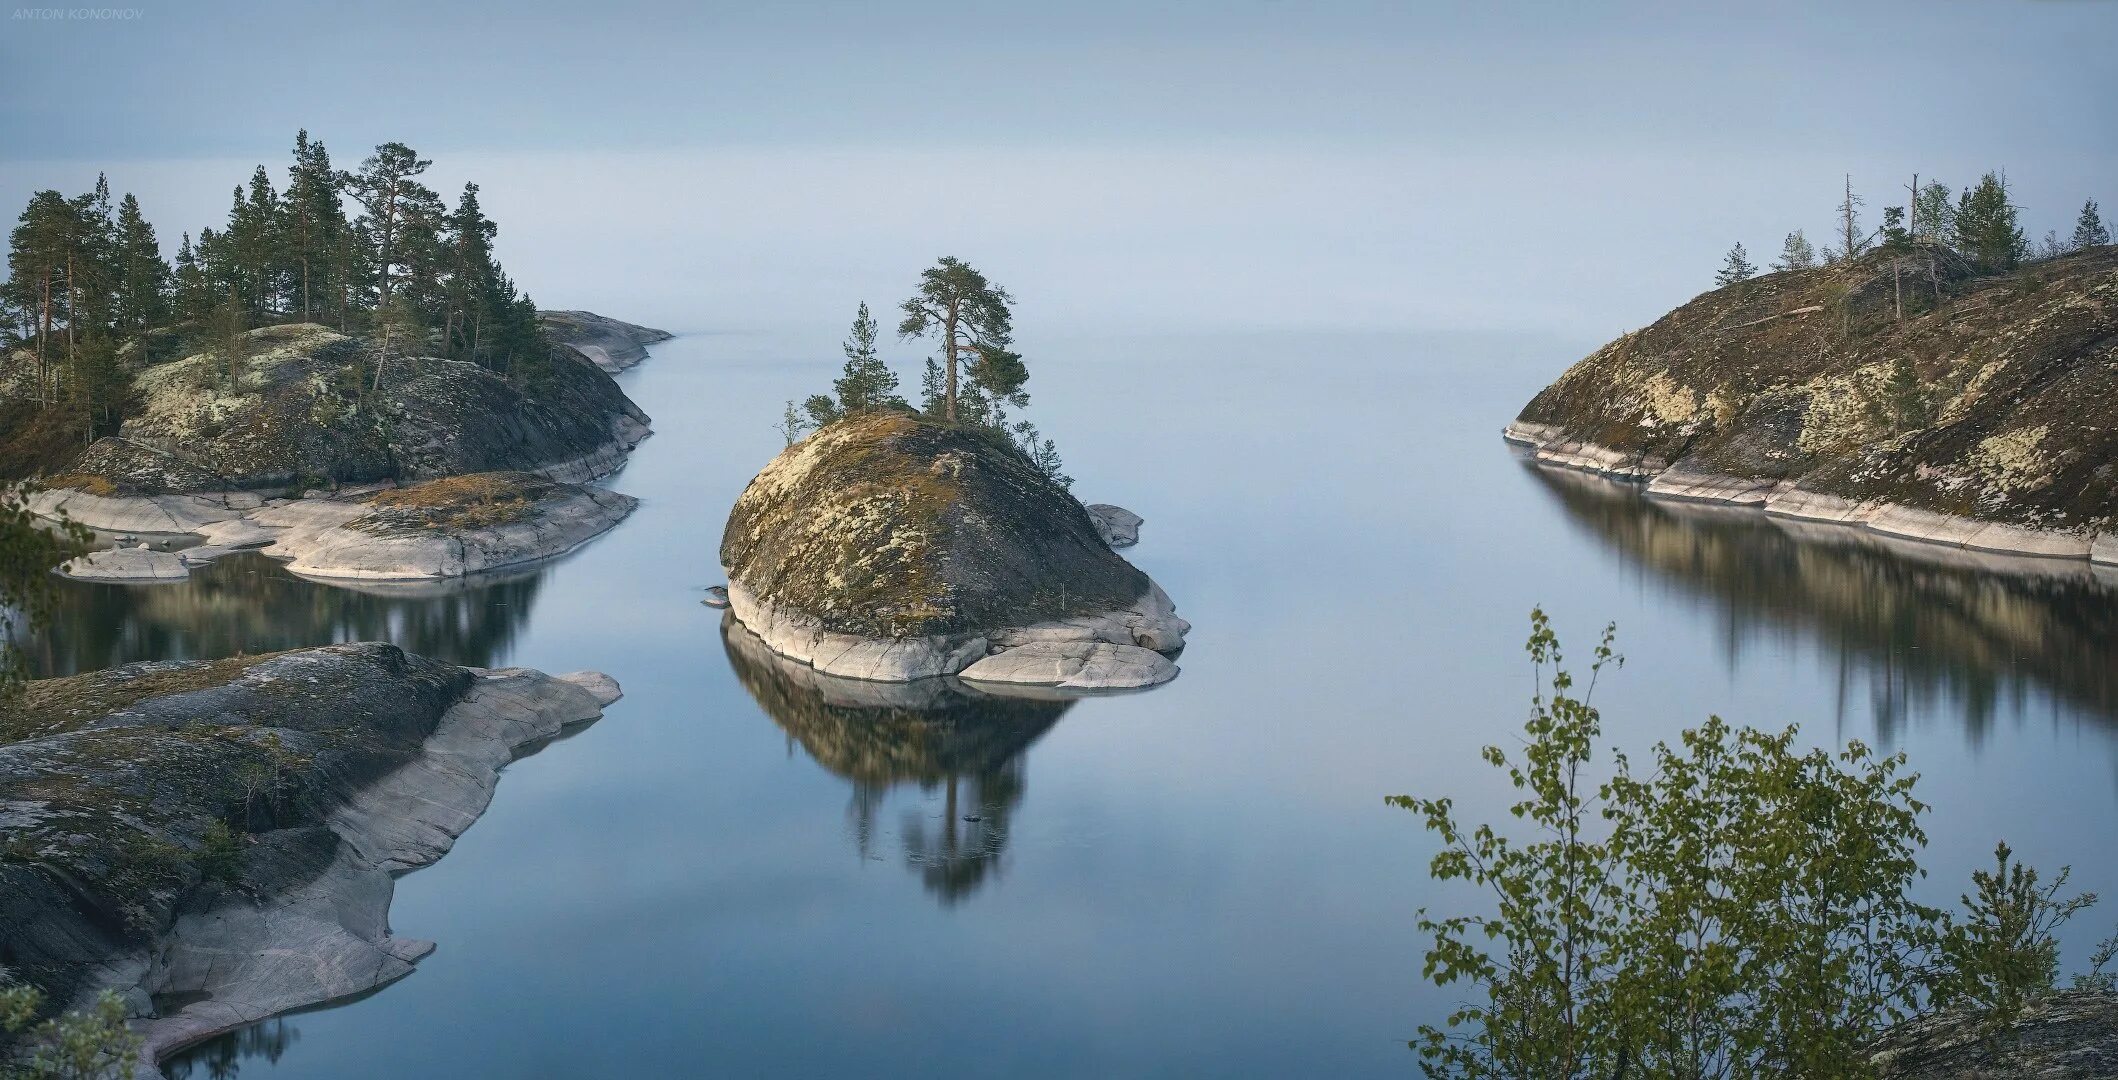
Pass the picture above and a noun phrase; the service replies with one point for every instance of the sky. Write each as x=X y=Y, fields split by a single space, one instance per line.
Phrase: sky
x=1574 y=169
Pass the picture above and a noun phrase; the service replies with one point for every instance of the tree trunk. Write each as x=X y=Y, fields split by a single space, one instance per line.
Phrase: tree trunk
x=948 y=344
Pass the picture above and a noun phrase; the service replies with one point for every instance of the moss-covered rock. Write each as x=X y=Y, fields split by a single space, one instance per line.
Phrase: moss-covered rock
x=1895 y=379
x=300 y=405
x=891 y=534
x=216 y=839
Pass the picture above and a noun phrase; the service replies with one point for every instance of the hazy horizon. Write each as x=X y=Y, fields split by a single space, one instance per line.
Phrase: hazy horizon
x=1251 y=166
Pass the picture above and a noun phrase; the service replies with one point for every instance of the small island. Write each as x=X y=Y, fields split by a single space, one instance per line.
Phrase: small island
x=1942 y=389
x=895 y=543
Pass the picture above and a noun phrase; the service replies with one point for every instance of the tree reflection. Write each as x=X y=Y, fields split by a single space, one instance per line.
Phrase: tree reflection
x=222 y=1057
x=248 y=604
x=939 y=735
x=1919 y=625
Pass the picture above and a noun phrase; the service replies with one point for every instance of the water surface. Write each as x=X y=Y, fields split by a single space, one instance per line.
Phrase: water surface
x=746 y=870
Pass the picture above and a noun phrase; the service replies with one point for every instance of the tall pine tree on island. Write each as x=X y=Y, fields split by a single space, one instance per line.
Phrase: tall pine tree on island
x=968 y=314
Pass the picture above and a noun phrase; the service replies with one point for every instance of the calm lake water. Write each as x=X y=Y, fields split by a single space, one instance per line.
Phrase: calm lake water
x=742 y=871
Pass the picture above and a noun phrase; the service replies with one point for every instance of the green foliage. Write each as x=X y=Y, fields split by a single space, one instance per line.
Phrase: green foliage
x=2003 y=953
x=968 y=314
x=1796 y=253
x=220 y=854
x=1736 y=269
x=1987 y=227
x=92 y=1044
x=792 y=424
x=1933 y=216
x=2089 y=230
x=1738 y=910
x=29 y=549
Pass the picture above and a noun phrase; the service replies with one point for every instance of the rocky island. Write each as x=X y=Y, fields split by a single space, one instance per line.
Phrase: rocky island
x=217 y=841
x=893 y=547
x=1897 y=391
x=317 y=448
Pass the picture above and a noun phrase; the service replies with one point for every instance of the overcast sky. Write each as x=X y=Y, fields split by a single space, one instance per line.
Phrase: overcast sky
x=1573 y=167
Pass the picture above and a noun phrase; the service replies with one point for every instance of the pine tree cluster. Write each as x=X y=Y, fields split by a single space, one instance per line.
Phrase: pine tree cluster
x=87 y=284
x=1981 y=224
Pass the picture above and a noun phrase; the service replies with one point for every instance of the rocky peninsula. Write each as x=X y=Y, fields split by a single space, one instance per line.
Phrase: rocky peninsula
x=891 y=547
x=287 y=439
x=1896 y=392
x=613 y=346
x=217 y=841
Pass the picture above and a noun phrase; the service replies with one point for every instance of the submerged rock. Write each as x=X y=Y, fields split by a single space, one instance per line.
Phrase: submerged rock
x=891 y=547
x=218 y=840
x=135 y=564
x=611 y=344
x=1977 y=419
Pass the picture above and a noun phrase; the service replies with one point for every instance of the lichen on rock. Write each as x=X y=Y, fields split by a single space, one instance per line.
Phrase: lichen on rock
x=890 y=546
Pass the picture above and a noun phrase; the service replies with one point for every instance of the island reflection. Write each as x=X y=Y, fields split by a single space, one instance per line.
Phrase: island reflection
x=1919 y=625
x=935 y=734
x=247 y=604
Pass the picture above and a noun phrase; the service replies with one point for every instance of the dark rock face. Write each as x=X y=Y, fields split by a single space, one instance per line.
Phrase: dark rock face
x=109 y=783
x=612 y=345
x=1989 y=400
x=2069 y=1035
x=297 y=407
x=889 y=526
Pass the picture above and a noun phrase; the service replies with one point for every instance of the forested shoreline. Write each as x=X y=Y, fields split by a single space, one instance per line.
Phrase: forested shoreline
x=374 y=252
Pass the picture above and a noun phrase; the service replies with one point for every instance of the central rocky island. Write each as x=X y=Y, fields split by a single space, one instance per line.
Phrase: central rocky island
x=892 y=547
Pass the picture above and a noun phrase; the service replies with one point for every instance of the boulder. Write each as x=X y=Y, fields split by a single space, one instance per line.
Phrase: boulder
x=2065 y=1035
x=887 y=546
x=1117 y=526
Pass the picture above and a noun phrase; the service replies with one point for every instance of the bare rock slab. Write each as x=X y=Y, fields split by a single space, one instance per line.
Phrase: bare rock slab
x=1075 y=665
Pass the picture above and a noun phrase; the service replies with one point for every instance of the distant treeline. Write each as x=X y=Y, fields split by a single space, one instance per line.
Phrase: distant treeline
x=89 y=298
x=1980 y=223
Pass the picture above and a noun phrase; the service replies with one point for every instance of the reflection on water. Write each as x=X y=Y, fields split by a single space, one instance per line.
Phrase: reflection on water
x=937 y=734
x=222 y=1057
x=1917 y=625
x=248 y=604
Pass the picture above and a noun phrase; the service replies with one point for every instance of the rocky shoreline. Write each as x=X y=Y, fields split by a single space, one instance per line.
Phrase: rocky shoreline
x=1902 y=392
x=339 y=767
x=209 y=463
x=1551 y=446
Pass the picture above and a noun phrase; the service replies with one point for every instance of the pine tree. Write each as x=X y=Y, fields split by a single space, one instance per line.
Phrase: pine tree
x=866 y=383
x=1737 y=269
x=933 y=390
x=1987 y=227
x=314 y=229
x=143 y=284
x=192 y=294
x=958 y=302
x=2089 y=230
x=471 y=275
x=386 y=187
x=1795 y=253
